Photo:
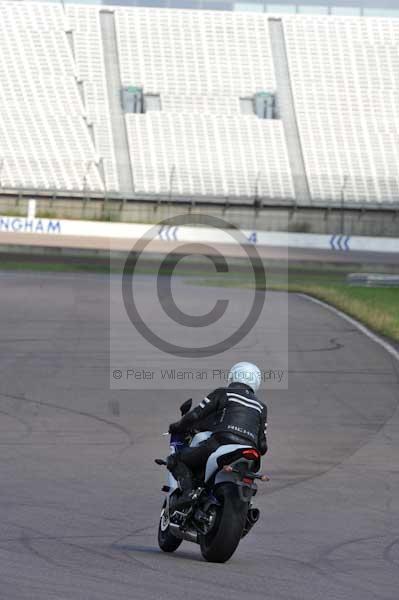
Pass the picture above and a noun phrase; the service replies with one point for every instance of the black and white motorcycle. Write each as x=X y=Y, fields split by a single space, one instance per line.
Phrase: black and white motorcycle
x=221 y=512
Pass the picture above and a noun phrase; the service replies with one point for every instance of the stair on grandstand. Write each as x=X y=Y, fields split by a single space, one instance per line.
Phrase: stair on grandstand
x=286 y=111
x=113 y=77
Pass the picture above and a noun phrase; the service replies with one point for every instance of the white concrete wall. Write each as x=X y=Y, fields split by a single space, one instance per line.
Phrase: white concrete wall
x=172 y=233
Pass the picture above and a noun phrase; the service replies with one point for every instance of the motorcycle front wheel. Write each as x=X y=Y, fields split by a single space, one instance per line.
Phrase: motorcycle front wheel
x=166 y=540
x=222 y=540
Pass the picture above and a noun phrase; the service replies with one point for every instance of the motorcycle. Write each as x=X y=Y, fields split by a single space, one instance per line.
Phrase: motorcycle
x=221 y=511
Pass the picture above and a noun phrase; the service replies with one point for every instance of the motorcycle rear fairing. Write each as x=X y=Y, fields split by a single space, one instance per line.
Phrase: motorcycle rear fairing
x=212 y=464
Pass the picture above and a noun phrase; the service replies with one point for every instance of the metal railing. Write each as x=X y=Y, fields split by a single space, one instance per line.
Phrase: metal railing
x=256 y=201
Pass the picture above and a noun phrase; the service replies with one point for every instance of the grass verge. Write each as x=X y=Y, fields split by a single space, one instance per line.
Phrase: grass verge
x=377 y=308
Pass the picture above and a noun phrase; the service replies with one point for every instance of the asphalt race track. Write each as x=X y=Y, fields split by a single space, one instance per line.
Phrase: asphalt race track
x=80 y=497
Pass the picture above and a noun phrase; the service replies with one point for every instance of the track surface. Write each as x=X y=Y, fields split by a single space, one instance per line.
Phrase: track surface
x=79 y=496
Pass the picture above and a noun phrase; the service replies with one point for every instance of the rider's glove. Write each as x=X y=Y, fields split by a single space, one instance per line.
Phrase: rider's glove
x=174 y=428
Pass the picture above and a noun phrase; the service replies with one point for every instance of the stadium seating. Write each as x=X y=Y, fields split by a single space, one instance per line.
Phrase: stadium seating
x=44 y=139
x=222 y=105
x=345 y=80
x=212 y=155
x=195 y=53
x=197 y=137
x=201 y=64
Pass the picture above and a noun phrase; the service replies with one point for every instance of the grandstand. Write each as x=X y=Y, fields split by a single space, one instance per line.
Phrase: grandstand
x=44 y=142
x=345 y=75
x=147 y=103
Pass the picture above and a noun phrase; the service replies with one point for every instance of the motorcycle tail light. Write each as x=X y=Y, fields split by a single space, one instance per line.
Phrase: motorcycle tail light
x=251 y=454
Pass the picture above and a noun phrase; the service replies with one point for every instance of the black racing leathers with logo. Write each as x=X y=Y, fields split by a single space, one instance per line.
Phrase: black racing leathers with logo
x=234 y=410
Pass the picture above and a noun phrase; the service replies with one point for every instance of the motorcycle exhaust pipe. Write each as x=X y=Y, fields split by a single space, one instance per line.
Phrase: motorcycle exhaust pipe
x=252 y=518
x=189 y=536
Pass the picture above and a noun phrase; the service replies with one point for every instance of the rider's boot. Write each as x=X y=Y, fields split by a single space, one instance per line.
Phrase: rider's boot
x=183 y=475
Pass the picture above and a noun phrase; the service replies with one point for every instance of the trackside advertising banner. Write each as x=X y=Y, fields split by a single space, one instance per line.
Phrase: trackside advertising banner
x=133 y=231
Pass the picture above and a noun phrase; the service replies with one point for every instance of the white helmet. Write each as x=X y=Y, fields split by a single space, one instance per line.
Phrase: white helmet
x=247 y=373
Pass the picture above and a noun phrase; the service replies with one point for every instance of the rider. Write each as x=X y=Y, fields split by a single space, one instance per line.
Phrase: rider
x=234 y=415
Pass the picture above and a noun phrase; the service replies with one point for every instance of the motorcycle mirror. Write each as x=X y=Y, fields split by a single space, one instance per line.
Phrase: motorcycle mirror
x=186 y=406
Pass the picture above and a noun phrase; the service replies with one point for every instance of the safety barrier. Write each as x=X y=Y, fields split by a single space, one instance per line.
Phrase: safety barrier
x=173 y=233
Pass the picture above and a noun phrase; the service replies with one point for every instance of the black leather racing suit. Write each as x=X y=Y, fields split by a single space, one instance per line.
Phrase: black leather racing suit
x=233 y=414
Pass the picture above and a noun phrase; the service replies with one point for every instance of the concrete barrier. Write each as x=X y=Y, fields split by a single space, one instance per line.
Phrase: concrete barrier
x=372 y=280
x=85 y=230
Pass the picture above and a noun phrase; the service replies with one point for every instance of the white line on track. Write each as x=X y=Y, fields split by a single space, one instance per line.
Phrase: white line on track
x=377 y=339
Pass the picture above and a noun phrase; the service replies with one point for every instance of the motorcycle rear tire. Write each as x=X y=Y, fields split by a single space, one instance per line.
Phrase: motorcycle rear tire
x=222 y=541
